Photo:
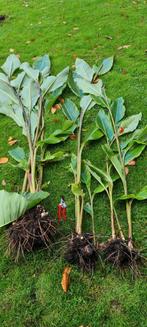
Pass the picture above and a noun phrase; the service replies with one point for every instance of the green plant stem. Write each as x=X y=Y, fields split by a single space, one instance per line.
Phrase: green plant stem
x=118 y=224
x=124 y=181
x=92 y=215
x=129 y=211
x=79 y=199
x=110 y=188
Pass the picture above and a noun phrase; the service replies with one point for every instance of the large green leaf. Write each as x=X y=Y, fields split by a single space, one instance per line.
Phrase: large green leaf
x=54 y=157
x=60 y=80
x=114 y=160
x=7 y=94
x=35 y=198
x=32 y=73
x=89 y=88
x=60 y=135
x=14 y=205
x=77 y=190
x=87 y=208
x=11 y=64
x=118 y=109
x=86 y=176
x=139 y=136
x=47 y=84
x=95 y=134
x=15 y=113
x=141 y=195
x=70 y=110
x=17 y=82
x=134 y=152
x=130 y=123
x=105 y=67
x=73 y=86
x=87 y=103
x=83 y=69
x=104 y=123
x=30 y=94
x=19 y=155
x=43 y=64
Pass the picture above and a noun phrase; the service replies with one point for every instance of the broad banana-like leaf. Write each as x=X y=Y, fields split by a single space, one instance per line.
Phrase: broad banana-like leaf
x=43 y=64
x=134 y=152
x=89 y=88
x=60 y=135
x=141 y=195
x=95 y=134
x=139 y=136
x=86 y=176
x=77 y=190
x=73 y=86
x=83 y=69
x=30 y=94
x=47 y=84
x=7 y=94
x=87 y=208
x=60 y=80
x=114 y=160
x=70 y=110
x=118 y=109
x=19 y=155
x=87 y=103
x=54 y=157
x=17 y=82
x=105 y=67
x=104 y=123
x=32 y=73
x=130 y=123
x=11 y=64
x=14 y=205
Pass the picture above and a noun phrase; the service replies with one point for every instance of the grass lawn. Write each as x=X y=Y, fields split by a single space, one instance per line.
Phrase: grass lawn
x=31 y=294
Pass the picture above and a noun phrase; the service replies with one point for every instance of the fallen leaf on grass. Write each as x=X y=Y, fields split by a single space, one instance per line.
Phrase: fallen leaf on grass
x=61 y=100
x=126 y=171
x=66 y=279
x=126 y=46
x=55 y=108
x=3 y=160
x=73 y=137
x=132 y=163
x=11 y=141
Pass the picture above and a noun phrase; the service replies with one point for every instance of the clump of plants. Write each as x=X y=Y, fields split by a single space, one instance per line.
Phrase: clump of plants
x=120 y=152
x=26 y=93
x=81 y=247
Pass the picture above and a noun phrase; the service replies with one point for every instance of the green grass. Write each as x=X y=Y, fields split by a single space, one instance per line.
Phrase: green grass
x=31 y=293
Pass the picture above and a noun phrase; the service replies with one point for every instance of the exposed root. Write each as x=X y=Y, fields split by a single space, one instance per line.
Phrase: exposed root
x=33 y=230
x=81 y=252
x=119 y=254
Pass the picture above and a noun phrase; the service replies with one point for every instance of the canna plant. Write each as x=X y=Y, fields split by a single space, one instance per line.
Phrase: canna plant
x=25 y=93
x=81 y=250
x=120 y=152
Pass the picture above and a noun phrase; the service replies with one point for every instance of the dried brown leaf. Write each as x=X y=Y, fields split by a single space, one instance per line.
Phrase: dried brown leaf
x=3 y=160
x=132 y=163
x=126 y=171
x=66 y=279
